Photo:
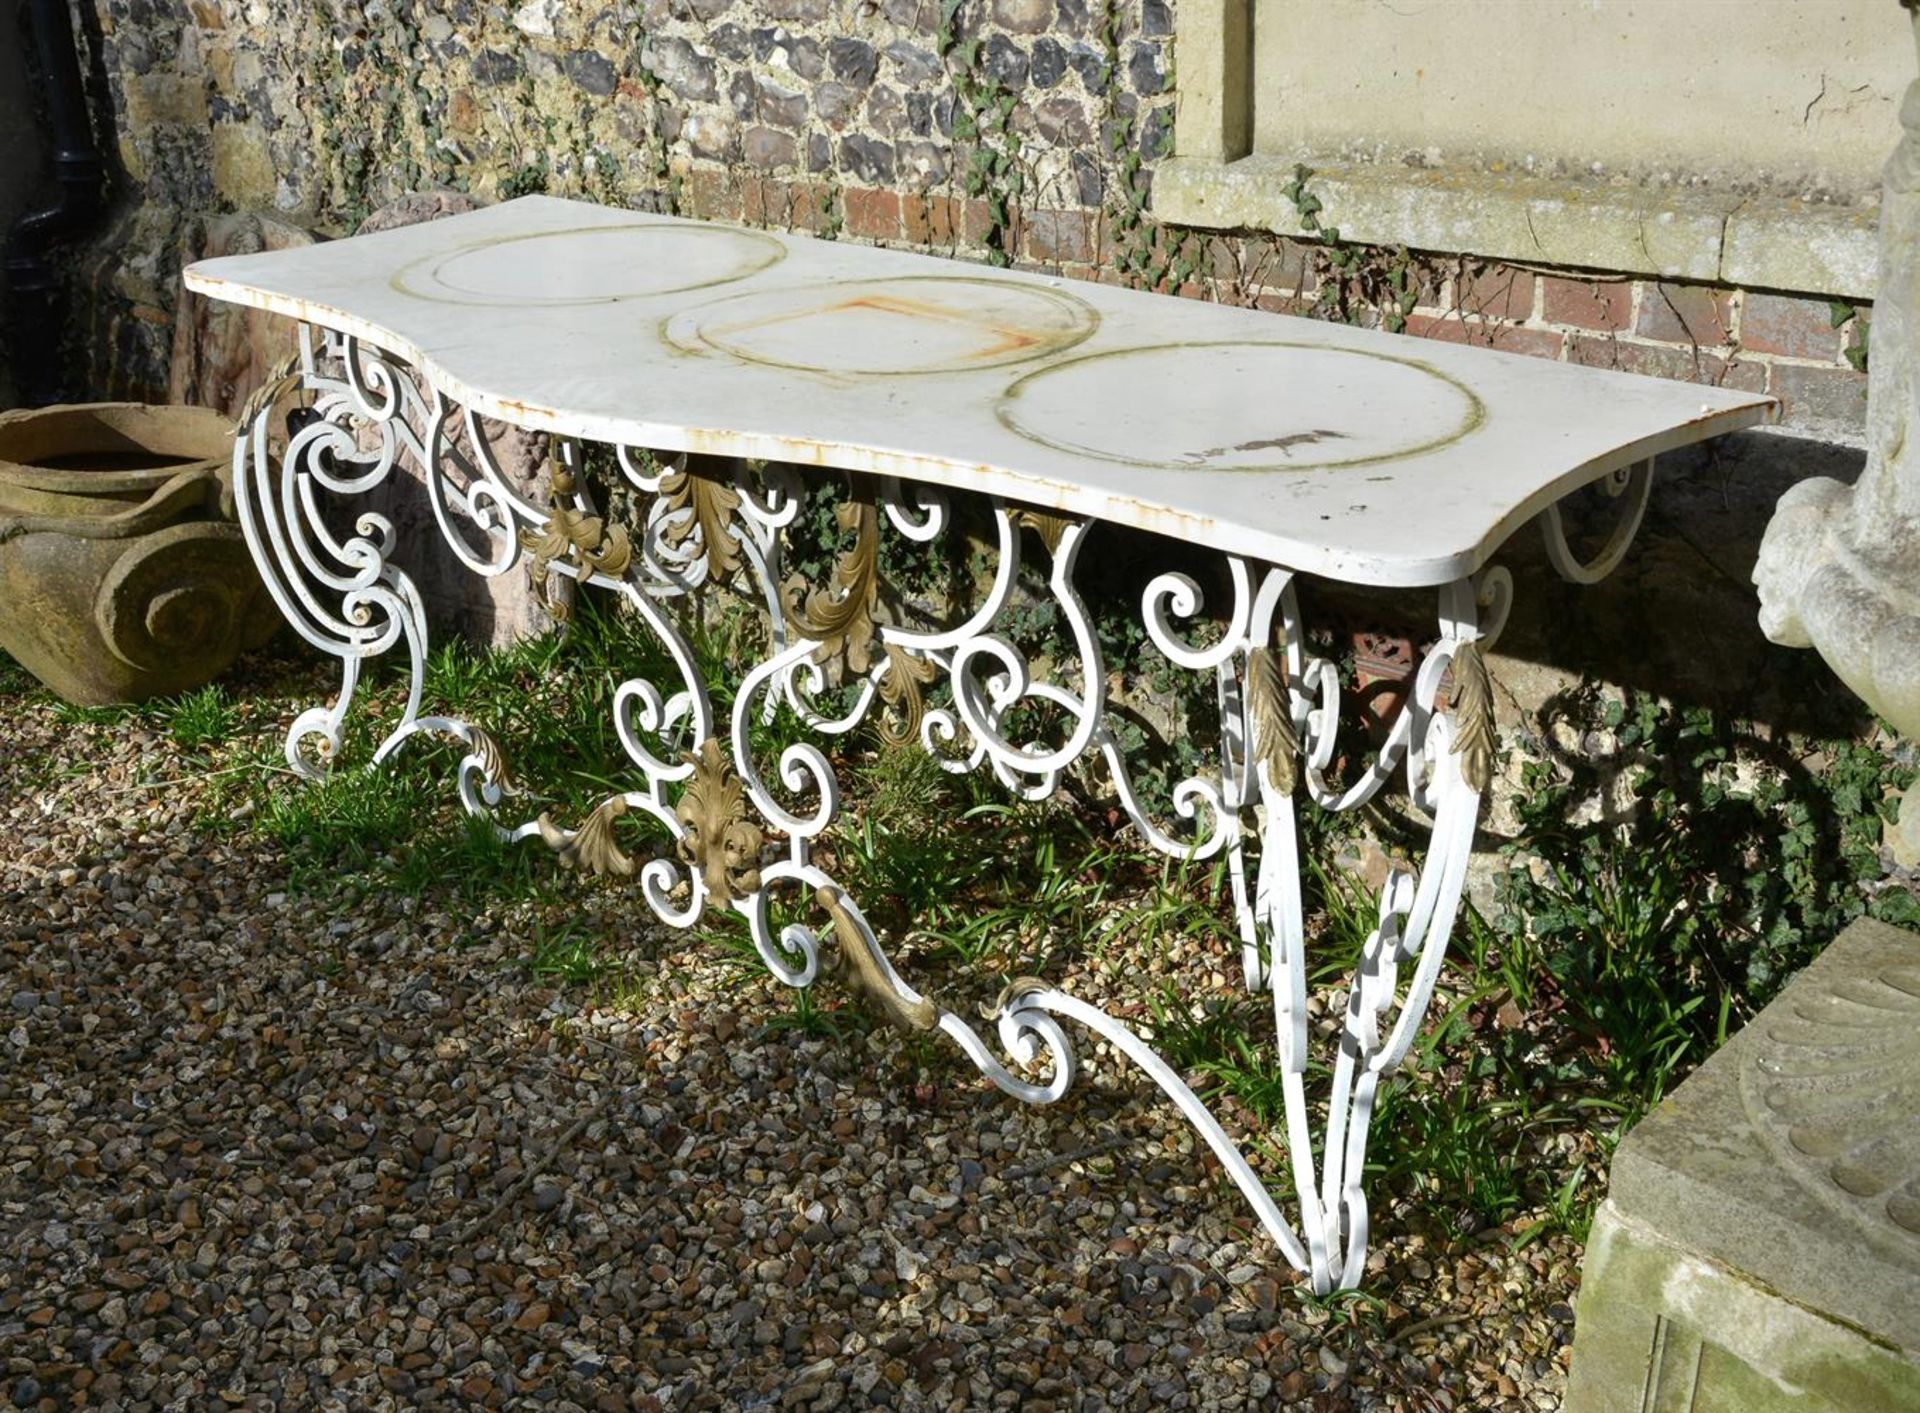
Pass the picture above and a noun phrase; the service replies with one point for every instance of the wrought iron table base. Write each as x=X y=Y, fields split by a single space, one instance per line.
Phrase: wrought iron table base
x=739 y=830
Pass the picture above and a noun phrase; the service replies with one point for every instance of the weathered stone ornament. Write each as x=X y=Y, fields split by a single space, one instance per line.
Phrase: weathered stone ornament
x=122 y=573
x=1834 y=1088
x=1839 y=567
x=1759 y=1249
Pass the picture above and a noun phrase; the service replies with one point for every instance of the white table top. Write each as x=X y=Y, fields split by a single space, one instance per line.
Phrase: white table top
x=1364 y=456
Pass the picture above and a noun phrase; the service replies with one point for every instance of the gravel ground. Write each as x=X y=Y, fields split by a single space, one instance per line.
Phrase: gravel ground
x=256 y=1152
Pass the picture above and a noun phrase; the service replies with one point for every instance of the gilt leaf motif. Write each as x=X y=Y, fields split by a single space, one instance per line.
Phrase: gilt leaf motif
x=592 y=847
x=844 y=615
x=713 y=503
x=1049 y=525
x=902 y=687
x=1270 y=709
x=720 y=839
x=1474 y=738
x=862 y=969
x=493 y=765
x=572 y=537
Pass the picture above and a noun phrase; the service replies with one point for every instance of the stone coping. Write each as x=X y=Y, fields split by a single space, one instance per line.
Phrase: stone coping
x=1713 y=237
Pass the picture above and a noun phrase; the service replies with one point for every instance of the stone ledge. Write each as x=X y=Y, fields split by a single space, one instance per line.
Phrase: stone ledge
x=1721 y=239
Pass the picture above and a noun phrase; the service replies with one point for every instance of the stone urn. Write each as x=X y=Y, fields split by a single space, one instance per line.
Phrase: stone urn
x=123 y=575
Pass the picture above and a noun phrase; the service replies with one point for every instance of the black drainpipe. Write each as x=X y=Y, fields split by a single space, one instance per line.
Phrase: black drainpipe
x=33 y=288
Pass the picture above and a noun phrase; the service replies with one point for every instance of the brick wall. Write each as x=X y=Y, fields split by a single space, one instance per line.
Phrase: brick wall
x=1025 y=131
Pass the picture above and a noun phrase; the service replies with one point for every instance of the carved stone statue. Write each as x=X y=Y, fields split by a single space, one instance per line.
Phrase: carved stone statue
x=1839 y=566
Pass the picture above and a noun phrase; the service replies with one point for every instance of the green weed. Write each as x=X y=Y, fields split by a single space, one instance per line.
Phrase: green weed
x=112 y=714
x=15 y=680
x=199 y=719
x=566 y=954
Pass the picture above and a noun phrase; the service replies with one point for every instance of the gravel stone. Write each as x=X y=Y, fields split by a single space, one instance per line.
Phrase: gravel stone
x=266 y=1142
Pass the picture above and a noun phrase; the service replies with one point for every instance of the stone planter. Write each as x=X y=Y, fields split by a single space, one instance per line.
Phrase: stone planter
x=122 y=573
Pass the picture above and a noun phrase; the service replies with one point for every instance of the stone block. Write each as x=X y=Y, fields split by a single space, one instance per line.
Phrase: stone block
x=1692 y=314
x=767 y=148
x=869 y=160
x=1509 y=338
x=853 y=61
x=1059 y=123
x=872 y=214
x=222 y=352
x=930 y=220
x=1060 y=237
x=1006 y=63
x=887 y=112
x=243 y=167
x=1802 y=245
x=1824 y=402
x=783 y=107
x=1686 y=364
x=590 y=70
x=1760 y=1249
x=1023 y=16
x=682 y=68
x=1496 y=292
x=911 y=64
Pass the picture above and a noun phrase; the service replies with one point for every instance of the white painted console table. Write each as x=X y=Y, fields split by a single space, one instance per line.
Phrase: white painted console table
x=1284 y=445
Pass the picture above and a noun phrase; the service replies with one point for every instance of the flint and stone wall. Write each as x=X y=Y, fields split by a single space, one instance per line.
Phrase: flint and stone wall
x=1027 y=131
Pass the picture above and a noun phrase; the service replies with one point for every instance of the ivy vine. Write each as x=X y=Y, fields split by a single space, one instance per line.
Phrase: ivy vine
x=983 y=119
x=1375 y=286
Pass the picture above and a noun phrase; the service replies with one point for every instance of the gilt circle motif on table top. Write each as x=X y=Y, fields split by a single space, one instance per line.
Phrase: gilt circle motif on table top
x=1265 y=407
x=915 y=324
x=558 y=268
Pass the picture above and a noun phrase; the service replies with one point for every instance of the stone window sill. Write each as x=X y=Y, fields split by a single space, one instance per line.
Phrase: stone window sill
x=1752 y=243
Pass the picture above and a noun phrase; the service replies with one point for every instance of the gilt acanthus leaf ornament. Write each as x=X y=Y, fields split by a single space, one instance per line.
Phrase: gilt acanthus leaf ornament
x=1270 y=709
x=861 y=969
x=1474 y=738
x=572 y=537
x=843 y=616
x=492 y=762
x=719 y=838
x=903 y=687
x=592 y=847
x=702 y=503
x=1049 y=525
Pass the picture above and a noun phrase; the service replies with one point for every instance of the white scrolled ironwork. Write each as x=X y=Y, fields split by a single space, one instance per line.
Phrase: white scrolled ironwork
x=730 y=832
x=1635 y=485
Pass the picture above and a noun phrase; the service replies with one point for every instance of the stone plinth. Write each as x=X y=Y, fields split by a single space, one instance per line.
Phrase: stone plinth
x=1760 y=1249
